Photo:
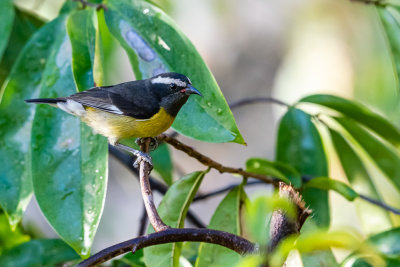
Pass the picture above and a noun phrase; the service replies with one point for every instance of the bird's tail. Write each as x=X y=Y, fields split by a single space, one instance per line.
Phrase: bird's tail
x=50 y=101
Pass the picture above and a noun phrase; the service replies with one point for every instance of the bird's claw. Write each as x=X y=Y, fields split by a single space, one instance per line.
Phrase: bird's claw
x=141 y=156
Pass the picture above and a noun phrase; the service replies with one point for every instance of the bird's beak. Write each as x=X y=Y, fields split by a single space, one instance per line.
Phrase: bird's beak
x=191 y=90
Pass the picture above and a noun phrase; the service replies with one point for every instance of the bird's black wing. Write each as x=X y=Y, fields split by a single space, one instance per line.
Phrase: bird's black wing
x=130 y=99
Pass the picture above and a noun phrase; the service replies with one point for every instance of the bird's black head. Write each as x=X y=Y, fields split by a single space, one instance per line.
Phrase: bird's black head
x=173 y=89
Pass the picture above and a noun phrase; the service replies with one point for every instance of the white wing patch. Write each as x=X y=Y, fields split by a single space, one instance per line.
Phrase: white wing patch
x=72 y=107
x=167 y=80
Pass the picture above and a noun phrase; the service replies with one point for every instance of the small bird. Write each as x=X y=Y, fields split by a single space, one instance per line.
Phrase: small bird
x=142 y=108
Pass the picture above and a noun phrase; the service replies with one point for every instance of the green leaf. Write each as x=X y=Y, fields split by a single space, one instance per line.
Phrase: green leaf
x=7 y=17
x=326 y=183
x=385 y=157
x=299 y=145
x=155 y=44
x=38 y=253
x=162 y=163
x=359 y=113
x=23 y=27
x=390 y=18
x=226 y=218
x=9 y=238
x=70 y=162
x=16 y=120
x=373 y=219
x=278 y=170
x=173 y=209
x=387 y=243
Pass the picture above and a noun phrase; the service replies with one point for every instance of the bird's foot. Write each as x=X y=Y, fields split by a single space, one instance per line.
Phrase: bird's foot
x=153 y=143
x=140 y=156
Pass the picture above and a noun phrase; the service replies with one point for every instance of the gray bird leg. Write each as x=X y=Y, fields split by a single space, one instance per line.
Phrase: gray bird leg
x=139 y=155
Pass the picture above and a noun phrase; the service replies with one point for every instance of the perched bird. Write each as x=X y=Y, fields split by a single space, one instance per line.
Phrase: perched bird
x=143 y=108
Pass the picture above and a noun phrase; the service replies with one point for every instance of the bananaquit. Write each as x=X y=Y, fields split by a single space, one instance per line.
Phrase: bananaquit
x=143 y=108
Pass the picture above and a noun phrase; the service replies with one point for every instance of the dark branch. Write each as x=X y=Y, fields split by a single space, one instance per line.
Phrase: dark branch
x=127 y=161
x=213 y=164
x=256 y=100
x=228 y=240
x=143 y=223
x=380 y=204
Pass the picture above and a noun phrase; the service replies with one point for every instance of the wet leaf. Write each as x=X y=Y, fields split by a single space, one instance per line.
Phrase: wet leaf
x=38 y=253
x=16 y=120
x=385 y=157
x=278 y=170
x=69 y=174
x=7 y=17
x=359 y=113
x=173 y=209
x=299 y=145
x=225 y=218
x=390 y=18
x=326 y=183
x=373 y=219
x=23 y=27
x=155 y=44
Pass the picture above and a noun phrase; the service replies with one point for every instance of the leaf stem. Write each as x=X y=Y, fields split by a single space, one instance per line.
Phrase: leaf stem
x=255 y=100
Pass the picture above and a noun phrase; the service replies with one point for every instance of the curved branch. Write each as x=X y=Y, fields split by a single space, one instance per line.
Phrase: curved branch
x=228 y=240
x=213 y=164
x=147 y=195
x=256 y=100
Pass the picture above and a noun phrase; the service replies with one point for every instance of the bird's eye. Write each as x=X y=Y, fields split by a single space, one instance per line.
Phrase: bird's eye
x=173 y=86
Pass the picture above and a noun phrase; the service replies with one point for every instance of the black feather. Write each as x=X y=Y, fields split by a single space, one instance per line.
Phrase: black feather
x=45 y=100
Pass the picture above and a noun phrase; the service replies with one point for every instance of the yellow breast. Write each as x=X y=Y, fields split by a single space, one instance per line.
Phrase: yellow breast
x=116 y=127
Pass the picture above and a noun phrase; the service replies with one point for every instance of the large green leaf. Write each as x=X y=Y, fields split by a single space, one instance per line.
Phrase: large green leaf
x=23 y=27
x=278 y=170
x=360 y=113
x=155 y=44
x=299 y=145
x=226 y=218
x=16 y=120
x=69 y=174
x=172 y=210
x=38 y=253
x=385 y=157
x=7 y=18
x=373 y=219
x=390 y=18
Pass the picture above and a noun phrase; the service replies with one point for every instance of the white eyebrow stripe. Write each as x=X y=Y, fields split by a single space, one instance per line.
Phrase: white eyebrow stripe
x=167 y=80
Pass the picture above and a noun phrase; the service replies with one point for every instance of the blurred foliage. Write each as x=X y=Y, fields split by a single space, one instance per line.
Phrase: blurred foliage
x=52 y=155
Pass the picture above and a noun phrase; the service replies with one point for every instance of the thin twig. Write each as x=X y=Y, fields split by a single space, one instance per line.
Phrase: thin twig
x=380 y=204
x=228 y=240
x=377 y=2
x=127 y=161
x=213 y=164
x=255 y=100
x=223 y=190
x=147 y=195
